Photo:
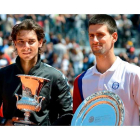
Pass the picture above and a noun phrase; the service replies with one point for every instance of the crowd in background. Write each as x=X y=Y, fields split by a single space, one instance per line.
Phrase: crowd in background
x=67 y=40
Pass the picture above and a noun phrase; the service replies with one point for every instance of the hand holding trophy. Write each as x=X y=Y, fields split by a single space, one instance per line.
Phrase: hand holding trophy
x=30 y=100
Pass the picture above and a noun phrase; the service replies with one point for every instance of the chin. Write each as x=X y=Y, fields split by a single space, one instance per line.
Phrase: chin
x=27 y=58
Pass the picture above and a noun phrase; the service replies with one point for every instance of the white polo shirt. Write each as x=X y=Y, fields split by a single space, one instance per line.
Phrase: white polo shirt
x=121 y=78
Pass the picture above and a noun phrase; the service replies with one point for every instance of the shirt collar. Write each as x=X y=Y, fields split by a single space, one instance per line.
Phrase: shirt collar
x=32 y=69
x=112 y=68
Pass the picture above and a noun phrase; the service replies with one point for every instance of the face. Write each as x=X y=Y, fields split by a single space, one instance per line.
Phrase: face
x=101 y=41
x=27 y=44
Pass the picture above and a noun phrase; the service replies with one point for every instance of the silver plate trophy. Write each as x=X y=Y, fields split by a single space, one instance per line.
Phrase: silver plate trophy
x=30 y=100
x=103 y=108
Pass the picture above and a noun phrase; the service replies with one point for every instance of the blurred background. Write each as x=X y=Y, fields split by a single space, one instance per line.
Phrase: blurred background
x=67 y=47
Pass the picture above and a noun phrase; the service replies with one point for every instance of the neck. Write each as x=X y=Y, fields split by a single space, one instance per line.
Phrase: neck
x=27 y=65
x=104 y=62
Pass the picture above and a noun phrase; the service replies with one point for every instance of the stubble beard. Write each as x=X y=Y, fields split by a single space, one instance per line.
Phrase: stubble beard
x=98 y=52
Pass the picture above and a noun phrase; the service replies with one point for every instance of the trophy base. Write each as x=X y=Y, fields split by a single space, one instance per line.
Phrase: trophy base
x=23 y=123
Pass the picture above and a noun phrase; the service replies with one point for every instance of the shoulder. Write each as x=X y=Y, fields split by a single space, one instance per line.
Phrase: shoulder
x=7 y=68
x=130 y=68
x=6 y=72
x=85 y=73
x=52 y=71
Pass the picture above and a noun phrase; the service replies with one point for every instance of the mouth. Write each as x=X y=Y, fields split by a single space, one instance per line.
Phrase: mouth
x=96 y=46
x=26 y=53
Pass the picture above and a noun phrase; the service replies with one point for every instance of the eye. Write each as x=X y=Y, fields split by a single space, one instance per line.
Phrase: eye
x=31 y=42
x=91 y=36
x=100 y=35
x=20 y=42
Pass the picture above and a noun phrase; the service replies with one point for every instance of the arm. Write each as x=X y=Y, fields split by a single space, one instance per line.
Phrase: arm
x=135 y=86
x=64 y=96
x=1 y=108
x=2 y=119
x=64 y=101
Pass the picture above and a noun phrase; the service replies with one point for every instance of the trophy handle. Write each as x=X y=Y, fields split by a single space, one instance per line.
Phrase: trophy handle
x=17 y=96
x=38 y=107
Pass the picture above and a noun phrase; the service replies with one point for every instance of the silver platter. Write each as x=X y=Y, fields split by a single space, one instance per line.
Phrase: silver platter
x=103 y=108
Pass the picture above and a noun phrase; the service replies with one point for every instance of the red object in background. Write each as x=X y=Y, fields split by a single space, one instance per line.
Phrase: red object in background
x=1 y=110
x=41 y=23
x=132 y=49
x=8 y=58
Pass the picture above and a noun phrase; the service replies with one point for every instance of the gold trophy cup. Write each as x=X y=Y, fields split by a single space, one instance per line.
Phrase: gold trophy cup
x=30 y=100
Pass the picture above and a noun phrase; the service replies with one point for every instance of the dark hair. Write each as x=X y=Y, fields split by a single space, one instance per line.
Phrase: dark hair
x=28 y=24
x=104 y=19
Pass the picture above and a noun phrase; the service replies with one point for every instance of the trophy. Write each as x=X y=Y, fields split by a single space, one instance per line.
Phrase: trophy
x=30 y=100
x=103 y=108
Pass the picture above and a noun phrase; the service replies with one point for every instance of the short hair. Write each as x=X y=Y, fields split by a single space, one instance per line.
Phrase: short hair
x=28 y=24
x=104 y=19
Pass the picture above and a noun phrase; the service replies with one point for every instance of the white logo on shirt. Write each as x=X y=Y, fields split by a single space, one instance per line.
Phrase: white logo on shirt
x=115 y=85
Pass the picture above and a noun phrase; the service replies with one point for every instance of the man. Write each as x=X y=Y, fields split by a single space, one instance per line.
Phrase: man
x=109 y=71
x=28 y=38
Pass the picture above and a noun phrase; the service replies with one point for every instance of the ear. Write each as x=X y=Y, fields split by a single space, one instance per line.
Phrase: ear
x=40 y=43
x=115 y=36
x=14 y=43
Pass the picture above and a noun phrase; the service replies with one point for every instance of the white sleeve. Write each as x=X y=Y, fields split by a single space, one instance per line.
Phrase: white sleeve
x=136 y=85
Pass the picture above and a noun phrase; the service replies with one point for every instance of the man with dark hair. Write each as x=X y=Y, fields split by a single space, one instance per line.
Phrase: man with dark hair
x=28 y=38
x=109 y=72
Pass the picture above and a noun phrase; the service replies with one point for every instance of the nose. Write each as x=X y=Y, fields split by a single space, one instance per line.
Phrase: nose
x=26 y=46
x=95 y=39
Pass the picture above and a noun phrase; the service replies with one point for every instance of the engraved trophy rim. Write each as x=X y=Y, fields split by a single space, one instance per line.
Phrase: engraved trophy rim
x=102 y=108
x=32 y=76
